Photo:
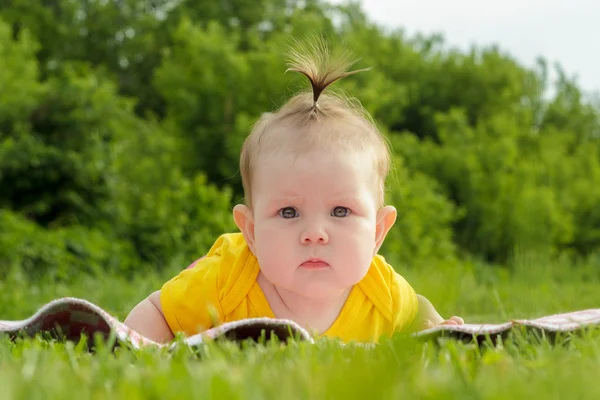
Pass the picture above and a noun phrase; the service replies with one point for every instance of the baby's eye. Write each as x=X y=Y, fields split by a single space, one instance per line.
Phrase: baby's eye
x=288 y=212
x=340 y=211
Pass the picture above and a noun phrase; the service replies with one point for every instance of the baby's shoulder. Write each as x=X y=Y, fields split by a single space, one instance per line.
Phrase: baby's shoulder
x=383 y=279
x=391 y=293
x=231 y=265
x=383 y=273
x=225 y=259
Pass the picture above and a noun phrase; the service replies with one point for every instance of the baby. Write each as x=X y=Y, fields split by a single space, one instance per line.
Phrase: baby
x=312 y=224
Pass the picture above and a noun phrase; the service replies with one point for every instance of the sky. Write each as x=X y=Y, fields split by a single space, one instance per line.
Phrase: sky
x=563 y=31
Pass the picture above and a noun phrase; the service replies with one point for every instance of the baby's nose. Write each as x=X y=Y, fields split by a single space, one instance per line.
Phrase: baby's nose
x=315 y=236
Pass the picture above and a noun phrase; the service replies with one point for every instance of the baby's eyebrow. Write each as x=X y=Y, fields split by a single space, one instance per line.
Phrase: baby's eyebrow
x=349 y=198
x=291 y=199
x=287 y=199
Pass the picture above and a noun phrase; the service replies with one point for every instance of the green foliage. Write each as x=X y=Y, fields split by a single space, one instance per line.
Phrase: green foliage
x=101 y=187
x=54 y=167
x=202 y=79
x=519 y=189
x=59 y=254
x=423 y=227
x=121 y=125
x=19 y=86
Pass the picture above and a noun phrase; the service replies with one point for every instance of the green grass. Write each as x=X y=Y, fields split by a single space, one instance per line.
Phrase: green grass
x=402 y=367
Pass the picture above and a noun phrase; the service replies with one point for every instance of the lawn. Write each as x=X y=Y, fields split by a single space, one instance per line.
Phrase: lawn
x=402 y=367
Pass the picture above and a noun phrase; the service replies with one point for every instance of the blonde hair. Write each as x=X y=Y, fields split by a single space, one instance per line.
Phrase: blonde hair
x=302 y=123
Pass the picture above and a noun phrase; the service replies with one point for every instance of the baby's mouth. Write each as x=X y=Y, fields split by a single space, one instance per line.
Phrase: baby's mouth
x=315 y=263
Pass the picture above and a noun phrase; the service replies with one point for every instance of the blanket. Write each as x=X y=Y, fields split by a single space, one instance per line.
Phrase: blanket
x=71 y=318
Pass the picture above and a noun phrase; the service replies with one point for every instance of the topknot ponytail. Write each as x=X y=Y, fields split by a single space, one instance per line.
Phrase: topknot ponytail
x=314 y=60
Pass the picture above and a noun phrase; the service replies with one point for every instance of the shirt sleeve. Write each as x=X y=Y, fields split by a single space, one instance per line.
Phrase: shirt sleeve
x=190 y=301
x=406 y=303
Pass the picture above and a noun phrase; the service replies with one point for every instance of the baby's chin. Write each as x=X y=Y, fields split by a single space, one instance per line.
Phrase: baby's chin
x=314 y=283
x=318 y=289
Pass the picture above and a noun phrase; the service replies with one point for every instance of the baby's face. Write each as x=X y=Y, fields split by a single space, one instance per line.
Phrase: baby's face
x=314 y=220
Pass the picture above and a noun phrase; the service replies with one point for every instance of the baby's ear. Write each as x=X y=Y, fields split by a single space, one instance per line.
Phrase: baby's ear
x=386 y=217
x=244 y=219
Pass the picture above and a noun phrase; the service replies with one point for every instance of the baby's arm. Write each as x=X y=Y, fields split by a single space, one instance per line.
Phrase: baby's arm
x=427 y=317
x=147 y=319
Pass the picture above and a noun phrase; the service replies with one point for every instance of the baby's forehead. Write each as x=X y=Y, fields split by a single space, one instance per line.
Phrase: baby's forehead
x=351 y=133
x=299 y=148
x=285 y=181
x=338 y=168
x=316 y=163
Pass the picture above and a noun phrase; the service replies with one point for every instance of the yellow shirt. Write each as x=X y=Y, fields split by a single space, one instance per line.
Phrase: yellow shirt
x=222 y=287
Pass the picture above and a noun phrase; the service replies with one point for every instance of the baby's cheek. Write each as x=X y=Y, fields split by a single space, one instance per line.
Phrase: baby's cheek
x=272 y=258
x=275 y=270
x=362 y=251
